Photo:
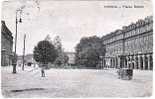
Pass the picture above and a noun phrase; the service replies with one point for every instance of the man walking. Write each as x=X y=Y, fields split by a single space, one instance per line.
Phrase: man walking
x=42 y=72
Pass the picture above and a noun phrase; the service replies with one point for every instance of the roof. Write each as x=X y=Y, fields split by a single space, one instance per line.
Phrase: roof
x=5 y=31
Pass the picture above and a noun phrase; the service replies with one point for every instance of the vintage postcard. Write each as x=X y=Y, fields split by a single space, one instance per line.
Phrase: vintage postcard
x=76 y=48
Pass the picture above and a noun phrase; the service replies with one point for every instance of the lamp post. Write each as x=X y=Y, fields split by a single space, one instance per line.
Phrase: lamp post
x=24 y=53
x=15 y=57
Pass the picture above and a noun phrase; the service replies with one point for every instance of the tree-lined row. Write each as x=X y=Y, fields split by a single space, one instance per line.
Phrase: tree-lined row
x=88 y=52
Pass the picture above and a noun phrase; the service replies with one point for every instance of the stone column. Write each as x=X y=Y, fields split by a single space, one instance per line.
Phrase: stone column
x=135 y=62
x=148 y=57
x=124 y=62
x=119 y=62
x=112 y=64
x=139 y=62
x=143 y=62
x=108 y=63
x=131 y=62
x=115 y=62
x=101 y=63
x=151 y=61
x=104 y=62
x=127 y=58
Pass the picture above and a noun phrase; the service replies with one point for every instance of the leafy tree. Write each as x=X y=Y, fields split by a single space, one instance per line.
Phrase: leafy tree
x=57 y=44
x=88 y=51
x=48 y=38
x=62 y=58
x=44 y=52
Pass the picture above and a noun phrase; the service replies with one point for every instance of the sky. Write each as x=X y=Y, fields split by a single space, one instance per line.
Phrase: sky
x=71 y=20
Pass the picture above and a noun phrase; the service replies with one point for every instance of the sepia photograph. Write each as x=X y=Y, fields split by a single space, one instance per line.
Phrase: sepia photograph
x=76 y=48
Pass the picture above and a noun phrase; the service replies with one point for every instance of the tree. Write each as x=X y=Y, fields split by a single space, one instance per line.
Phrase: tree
x=44 y=53
x=62 y=58
x=48 y=38
x=88 y=51
x=57 y=44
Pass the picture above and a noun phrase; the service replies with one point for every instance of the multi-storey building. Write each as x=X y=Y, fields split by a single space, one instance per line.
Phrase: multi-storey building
x=6 y=45
x=131 y=46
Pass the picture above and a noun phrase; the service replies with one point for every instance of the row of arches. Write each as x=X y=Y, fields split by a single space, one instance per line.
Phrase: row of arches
x=138 y=61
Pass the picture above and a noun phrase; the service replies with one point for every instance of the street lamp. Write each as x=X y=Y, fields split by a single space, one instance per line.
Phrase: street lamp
x=15 y=57
x=24 y=52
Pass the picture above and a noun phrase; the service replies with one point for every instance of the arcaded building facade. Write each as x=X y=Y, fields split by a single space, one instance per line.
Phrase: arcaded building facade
x=6 y=45
x=131 y=46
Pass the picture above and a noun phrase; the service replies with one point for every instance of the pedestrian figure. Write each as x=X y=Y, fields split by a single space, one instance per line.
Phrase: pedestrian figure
x=119 y=73
x=42 y=72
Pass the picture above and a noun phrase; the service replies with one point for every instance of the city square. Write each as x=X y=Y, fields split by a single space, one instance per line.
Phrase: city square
x=76 y=49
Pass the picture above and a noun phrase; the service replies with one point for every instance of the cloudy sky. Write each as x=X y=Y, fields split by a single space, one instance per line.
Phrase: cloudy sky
x=71 y=20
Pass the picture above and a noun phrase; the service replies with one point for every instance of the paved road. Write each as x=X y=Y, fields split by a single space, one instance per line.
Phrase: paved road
x=74 y=83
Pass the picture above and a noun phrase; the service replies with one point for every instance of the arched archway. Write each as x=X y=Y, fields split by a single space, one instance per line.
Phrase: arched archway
x=151 y=62
x=141 y=62
x=136 y=62
x=146 y=63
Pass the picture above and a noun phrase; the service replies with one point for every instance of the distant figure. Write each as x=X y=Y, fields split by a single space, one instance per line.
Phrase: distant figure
x=119 y=73
x=42 y=72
